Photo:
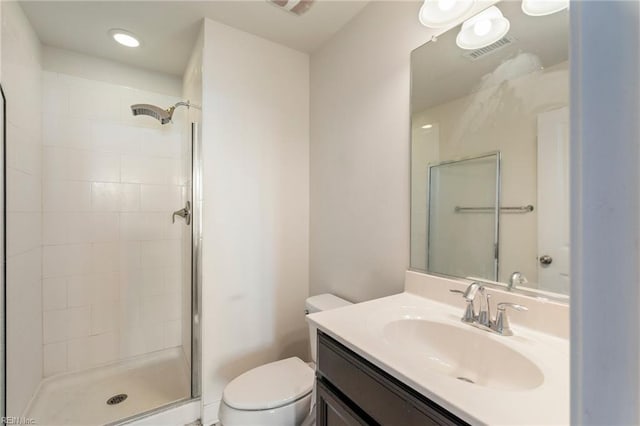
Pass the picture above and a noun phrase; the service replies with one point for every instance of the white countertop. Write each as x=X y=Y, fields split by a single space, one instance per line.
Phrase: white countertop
x=360 y=328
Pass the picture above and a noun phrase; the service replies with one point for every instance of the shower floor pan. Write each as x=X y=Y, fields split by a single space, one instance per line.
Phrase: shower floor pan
x=80 y=398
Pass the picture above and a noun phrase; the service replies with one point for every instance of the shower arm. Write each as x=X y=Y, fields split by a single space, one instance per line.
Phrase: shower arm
x=188 y=104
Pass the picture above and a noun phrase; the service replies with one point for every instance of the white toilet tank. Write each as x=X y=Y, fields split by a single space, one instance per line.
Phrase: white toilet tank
x=321 y=302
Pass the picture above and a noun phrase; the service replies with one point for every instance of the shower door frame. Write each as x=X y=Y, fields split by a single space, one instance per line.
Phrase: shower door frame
x=196 y=260
x=3 y=272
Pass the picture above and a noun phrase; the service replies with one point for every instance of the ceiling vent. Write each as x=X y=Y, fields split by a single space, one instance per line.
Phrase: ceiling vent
x=297 y=7
x=474 y=55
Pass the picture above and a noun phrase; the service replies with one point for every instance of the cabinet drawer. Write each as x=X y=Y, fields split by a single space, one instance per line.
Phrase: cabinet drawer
x=382 y=397
x=333 y=411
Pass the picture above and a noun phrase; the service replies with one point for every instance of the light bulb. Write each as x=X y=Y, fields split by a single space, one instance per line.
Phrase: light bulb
x=124 y=37
x=482 y=27
x=543 y=7
x=446 y=5
x=442 y=13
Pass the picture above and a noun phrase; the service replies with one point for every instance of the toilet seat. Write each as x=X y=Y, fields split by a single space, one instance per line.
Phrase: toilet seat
x=270 y=386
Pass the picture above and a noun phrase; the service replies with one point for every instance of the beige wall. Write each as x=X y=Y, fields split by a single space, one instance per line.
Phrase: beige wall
x=503 y=118
x=360 y=153
x=256 y=205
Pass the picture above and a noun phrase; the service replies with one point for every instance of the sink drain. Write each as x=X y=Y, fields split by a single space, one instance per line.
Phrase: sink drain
x=464 y=379
x=117 y=399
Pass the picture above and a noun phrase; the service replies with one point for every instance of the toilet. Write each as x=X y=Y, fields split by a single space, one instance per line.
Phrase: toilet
x=278 y=393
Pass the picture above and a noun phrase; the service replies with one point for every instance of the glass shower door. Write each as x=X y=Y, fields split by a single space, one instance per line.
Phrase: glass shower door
x=463 y=216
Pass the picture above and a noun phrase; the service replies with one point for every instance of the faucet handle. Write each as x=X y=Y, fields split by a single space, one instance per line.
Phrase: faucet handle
x=484 y=313
x=469 y=312
x=502 y=326
x=470 y=292
x=503 y=305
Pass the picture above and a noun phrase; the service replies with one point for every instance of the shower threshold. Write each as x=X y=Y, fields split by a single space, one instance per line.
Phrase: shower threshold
x=81 y=398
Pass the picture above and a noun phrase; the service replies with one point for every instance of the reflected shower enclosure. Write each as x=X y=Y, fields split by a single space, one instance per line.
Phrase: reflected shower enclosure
x=463 y=213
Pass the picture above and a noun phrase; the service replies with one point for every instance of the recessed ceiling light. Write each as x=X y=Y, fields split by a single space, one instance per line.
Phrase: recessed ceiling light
x=427 y=126
x=485 y=28
x=442 y=13
x=124 y=37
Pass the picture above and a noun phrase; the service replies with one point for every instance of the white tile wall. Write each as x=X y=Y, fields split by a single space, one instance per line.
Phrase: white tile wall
x=111 y=256
x=55 y=358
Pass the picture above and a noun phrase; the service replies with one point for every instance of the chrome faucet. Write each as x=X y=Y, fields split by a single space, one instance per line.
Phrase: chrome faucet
x=483 y=319
x=516 y=278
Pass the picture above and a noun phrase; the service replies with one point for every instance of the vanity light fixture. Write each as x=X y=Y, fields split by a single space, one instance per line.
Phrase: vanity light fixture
x=124 y=37
x=427 y=126
x=442 y=13
x=543 y=7
x=484 y=29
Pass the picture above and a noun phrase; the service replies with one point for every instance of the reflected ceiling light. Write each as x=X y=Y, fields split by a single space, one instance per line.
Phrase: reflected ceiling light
x=442 y=13
x=543 y=7
x=485 y=28
x=427 y=126
x=297 y=7
x=124 y=37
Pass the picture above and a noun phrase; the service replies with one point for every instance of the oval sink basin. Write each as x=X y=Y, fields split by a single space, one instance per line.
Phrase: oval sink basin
x=465 y=355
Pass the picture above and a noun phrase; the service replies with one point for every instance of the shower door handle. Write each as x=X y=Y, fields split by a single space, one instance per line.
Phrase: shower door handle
x=184 y=213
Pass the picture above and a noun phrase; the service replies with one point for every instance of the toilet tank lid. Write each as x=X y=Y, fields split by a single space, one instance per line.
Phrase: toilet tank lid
x=270 y=385
x=324 y=302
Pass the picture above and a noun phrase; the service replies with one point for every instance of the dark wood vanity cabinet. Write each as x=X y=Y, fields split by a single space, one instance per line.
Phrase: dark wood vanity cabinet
x=352 y=391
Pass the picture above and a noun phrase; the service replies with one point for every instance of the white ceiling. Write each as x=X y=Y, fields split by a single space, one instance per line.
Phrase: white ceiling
x=440 y=72
x=168 y=29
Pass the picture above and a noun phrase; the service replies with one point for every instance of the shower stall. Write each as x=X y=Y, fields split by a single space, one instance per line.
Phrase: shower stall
x=114 y=334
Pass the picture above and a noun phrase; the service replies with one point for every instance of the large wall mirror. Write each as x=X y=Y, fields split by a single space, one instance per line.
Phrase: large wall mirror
x=489 y=155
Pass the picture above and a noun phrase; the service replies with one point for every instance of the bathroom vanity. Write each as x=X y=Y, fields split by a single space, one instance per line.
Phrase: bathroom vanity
x=408 y=359
x=351 y=390
x=489 y=206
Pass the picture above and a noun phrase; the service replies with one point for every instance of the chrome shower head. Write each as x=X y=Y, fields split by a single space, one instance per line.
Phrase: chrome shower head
x=162 y=115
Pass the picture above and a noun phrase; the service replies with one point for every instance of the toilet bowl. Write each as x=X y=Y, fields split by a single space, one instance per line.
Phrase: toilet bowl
x=278 y=393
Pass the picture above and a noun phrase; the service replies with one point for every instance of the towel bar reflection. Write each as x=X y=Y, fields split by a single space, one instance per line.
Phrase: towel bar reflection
x=518 y=209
